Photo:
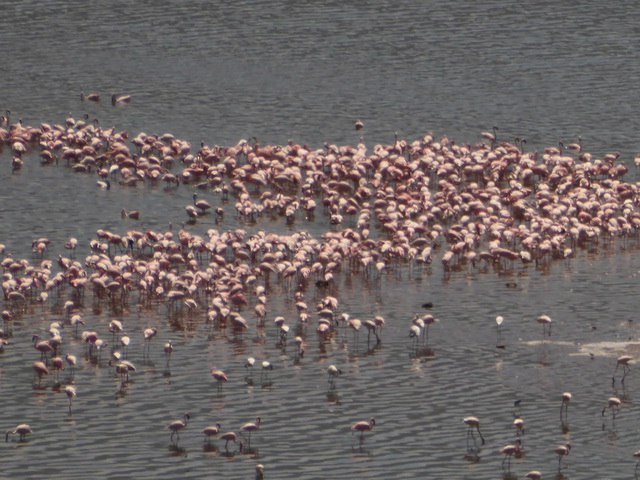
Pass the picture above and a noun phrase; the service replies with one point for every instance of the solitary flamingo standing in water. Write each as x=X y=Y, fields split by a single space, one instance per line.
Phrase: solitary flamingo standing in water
x=210 y=431
x=545 y=320
x=473 y=422
x=624 y=361
x=178 y=425
x=219 y=376
x=499 y=320
x=363 y=426
x=333 y=372
x=168 y=349
x=561 y=451
x=566 y=398
x=21 y=430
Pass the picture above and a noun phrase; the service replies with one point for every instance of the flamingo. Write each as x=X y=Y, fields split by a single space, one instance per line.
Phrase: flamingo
x=149 y=333
x=41 y=370
x=92 y=97
x=363 y=426
x=250 y=427
x=219 y=376
x=230 y=437
x=509 y=450
x=624 y=361
x=519 y=424
x=43 y=346
x=71 y=392
x=333 y=372
x=561 y=451
x=168 y=350
x=473 y=422
x=249 y=364
x=266 y=366
x=566 y=398
x=178 y=425
x=203 y=205
x=613 y=404
x=545 y=320
x=123 y=368
x=210 y=431
x=22 y=430
x=71 y=361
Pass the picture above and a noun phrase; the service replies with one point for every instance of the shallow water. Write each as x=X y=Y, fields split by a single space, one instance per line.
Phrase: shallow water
x=225 y=72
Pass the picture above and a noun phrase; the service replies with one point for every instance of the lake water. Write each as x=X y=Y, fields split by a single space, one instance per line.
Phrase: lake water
x=224 y=71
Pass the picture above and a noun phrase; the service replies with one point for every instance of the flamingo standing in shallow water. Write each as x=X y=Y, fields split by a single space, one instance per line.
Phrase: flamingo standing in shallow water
x=71 y=392
x=219 y=376
x=566 y=398
x=178 y=425
x=333 y=372
x=230 y=437
x=363 y=426
x=473 y=422
x=561 y=451
x=250 y=427
x=613 y=404
x=41 y=370
x=509 y=450
x=21 y=430
x=637 y=455
x=545 y=320
x=624 y=361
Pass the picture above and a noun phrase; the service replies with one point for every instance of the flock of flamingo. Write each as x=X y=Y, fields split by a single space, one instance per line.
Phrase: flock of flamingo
x=488 y=205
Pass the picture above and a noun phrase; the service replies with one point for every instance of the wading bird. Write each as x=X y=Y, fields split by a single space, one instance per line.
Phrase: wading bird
x=21 y=430
x=363 y=426
x=473 y=422
x=178 y=425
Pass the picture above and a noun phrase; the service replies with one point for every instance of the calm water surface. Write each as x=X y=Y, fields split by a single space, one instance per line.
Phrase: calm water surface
x=292 y=70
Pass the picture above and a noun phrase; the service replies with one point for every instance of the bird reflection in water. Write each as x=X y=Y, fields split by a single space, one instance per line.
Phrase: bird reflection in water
x=472 y=455
x=359 y=451
x=176 y=451
x=210 y=448
x=332 y=396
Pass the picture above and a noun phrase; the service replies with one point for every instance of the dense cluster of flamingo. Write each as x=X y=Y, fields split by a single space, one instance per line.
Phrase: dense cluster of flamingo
x=491 y=202
x=488 y=204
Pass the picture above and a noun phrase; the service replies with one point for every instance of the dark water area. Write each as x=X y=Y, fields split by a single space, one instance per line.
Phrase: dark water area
x=224 y=71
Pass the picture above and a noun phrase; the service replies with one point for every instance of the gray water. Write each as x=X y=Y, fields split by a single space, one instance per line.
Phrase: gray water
x=220 y=72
